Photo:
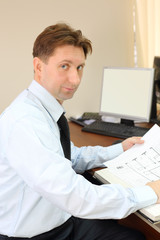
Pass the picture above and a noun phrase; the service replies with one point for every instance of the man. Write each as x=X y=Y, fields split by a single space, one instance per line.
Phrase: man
x=42 y=193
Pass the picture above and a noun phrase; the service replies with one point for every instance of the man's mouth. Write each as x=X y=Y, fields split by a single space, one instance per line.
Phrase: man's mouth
x=70 y=89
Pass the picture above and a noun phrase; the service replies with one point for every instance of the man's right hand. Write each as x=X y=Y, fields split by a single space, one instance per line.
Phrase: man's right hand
x=155 y=185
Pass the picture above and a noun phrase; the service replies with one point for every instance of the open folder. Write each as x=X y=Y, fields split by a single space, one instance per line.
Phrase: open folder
x=135 y=167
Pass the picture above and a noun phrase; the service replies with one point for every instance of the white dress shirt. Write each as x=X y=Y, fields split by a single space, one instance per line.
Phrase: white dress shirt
x=39 y=188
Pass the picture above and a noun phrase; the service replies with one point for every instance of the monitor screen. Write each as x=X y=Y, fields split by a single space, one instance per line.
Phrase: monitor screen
x=127 y=93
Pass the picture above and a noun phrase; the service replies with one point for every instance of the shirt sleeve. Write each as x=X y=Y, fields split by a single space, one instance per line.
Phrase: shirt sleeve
x=85 y=158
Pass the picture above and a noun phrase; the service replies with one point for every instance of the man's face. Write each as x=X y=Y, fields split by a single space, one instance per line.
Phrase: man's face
x=62 y=73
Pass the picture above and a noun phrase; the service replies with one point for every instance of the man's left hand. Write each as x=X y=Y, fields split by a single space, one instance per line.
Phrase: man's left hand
x=129 y=142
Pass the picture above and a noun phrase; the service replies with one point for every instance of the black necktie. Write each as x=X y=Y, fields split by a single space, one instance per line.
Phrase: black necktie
x=64 y=136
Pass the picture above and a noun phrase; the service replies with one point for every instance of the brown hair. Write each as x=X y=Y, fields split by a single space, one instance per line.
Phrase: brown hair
x=59 y=35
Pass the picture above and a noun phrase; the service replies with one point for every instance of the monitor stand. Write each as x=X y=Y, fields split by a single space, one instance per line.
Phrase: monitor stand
x=127 y=122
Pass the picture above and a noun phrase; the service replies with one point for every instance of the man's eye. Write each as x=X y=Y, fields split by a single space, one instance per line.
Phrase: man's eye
x=80 y=67
x=64 y=66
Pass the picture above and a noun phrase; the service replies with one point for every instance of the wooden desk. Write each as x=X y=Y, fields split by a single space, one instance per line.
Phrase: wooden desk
x=80 y=138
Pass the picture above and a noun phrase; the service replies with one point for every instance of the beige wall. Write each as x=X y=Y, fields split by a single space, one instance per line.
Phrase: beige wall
x=108 y=23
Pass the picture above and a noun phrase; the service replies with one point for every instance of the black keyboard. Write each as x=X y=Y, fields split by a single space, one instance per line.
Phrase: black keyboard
x=115 y=129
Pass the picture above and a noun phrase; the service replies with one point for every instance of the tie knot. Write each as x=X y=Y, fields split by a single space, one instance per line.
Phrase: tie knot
x=62 y=119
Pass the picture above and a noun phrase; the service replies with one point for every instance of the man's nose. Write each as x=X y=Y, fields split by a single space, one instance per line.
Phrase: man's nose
x=74 y=76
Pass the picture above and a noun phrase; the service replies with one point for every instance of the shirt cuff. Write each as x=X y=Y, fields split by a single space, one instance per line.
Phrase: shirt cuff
x=144 y=196
x=115 y=150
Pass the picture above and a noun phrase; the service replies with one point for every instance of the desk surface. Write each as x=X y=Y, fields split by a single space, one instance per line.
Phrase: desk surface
x=80 y=138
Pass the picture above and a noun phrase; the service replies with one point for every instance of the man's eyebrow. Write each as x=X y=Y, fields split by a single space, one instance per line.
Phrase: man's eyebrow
x=68 y=61
x=83 y=64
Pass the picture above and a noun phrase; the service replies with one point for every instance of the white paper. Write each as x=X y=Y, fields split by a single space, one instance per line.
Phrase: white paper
x=141 y=163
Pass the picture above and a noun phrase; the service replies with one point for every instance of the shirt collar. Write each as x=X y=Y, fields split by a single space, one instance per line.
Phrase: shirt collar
x=47 y=100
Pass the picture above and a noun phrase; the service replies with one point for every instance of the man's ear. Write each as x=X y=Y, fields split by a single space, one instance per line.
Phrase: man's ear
x=37 y=64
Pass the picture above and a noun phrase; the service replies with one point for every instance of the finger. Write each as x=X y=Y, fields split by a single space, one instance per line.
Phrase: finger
x=137 y=140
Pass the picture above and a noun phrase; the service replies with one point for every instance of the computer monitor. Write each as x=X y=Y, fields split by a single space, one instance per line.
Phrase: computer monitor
x=127 y=94
x=156 y=66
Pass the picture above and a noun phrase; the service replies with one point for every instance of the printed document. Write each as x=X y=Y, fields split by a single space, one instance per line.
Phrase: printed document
x=137 y=166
